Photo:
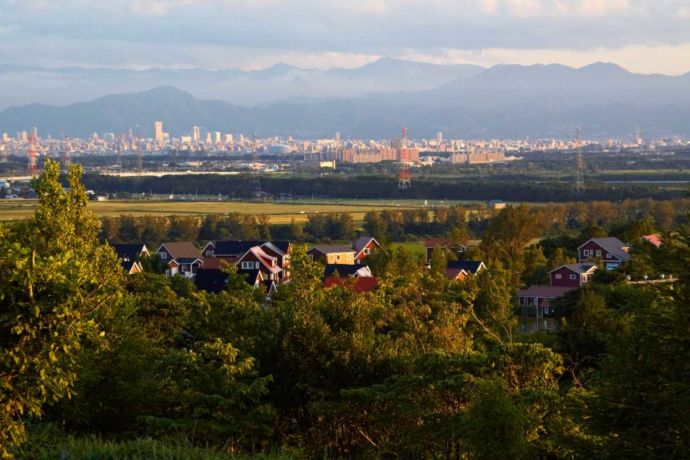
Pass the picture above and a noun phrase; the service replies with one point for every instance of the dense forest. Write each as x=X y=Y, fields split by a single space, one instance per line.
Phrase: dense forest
x=97 y=364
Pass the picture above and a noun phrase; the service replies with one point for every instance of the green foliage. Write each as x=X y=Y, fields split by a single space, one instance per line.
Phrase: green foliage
x=506 y=236
x=421 y=367
x=56 y=280
x=48 y=444
x=642 y=400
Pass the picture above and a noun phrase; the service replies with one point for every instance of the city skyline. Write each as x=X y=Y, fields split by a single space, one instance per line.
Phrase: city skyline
x=640 y=35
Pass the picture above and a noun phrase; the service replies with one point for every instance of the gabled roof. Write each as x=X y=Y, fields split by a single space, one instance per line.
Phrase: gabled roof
x=188 y=260
x=129 y=254
x=217 y=263
x=577 y=268
x=239 y=247
x=612 y=245
x=184 y=249
x=544 y=292
x=347 y=270
x=269 y=245
x=331 y=248
x=470 y=266
x=262 y=256
x=453 y=273
x=283 y=245
x=133 y=251
x=234 y=247
x=653 y=239
x=362 y=243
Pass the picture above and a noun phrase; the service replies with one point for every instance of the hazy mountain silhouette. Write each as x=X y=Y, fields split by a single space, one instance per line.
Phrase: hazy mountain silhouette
x=21 y=85
x=503 y=101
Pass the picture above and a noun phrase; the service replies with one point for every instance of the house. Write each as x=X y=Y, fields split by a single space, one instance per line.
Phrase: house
x=358 y=277
x=535 y=301
x=281 y=250
x=256 y=259
x=610 y=251
x=343 y=270
x=357 y=284
x=442 y=243
x=496 y=204
x=130 y=256
x=181 y=258
x=332 y=254
x=461 y=269
x=535 y=307
x=364 y=246
x=572 y=275
x=232 y=250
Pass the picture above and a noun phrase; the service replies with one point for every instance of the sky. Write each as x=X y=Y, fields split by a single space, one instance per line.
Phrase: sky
x=646 y=36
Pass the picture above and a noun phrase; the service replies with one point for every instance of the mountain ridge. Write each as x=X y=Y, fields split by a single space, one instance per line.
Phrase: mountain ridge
x=506 y=101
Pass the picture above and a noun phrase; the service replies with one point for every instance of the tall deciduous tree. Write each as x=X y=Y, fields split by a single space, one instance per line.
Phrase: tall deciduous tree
x=55 y=277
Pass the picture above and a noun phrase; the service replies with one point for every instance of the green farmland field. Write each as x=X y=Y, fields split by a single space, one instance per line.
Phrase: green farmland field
x=278 y=213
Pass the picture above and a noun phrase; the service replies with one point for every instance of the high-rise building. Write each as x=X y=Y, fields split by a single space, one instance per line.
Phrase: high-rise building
x=196 y=133
x=159 y=135
x=217 y=137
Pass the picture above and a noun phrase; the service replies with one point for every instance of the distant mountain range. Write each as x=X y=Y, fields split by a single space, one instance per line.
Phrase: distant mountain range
x=462 y=101
x=25 y=85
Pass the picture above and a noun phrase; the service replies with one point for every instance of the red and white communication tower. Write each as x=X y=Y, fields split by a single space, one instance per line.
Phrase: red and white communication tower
x=404 y=176
x=67 y=155
x=33 y=156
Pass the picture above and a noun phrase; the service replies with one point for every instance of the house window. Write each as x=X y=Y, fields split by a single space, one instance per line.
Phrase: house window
x=247 y=265
x=573 y=277
x=163 y=255
x=598 y=253
x=367 y=251
x=558 y=276
x=256 y=264
x=337 y=257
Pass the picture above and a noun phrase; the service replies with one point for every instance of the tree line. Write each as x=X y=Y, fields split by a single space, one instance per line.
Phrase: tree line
x=454 y=222
x=375 y=187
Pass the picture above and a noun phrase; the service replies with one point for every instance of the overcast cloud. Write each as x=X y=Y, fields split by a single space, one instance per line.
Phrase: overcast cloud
x=642 y=35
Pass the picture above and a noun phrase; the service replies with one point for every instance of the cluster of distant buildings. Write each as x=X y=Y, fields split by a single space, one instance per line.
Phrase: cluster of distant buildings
x=264 y=263
x=322 y=153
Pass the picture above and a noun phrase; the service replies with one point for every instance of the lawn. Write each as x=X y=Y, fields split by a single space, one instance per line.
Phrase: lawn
x=416 y=248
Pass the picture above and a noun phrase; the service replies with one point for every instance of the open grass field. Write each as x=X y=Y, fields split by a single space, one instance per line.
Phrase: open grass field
x=278 y=213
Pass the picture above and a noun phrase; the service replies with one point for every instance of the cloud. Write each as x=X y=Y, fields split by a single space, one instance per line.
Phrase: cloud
x=330 y=28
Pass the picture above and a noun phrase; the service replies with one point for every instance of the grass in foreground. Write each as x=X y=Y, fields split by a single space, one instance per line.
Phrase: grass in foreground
x=49 y=447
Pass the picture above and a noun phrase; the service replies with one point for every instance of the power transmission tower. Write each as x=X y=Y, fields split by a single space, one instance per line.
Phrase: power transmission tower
x=404 y=176
x=579 y=168
x=33 y=155
x=66 y=155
